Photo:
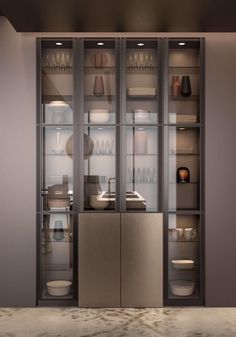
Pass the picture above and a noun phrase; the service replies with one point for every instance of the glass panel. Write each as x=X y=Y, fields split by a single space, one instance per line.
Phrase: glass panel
x=184 y=74
x=100 y=82
x=100 y=168
x=57 y=255
x=57 y=82
x=57 y=161
x=184 y=256
x=142 y=82
x=184 y=172
x=142 y=168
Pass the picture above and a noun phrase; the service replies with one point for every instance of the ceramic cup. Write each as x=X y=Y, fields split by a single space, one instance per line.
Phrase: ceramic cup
x=180 y=232
x=173 y=234
x=190 y=233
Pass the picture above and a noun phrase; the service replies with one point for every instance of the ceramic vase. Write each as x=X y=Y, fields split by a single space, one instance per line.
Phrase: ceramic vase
x=58 y=232
x=186 y=86
x=183 y=175
x=175 y=86
x=98 y=88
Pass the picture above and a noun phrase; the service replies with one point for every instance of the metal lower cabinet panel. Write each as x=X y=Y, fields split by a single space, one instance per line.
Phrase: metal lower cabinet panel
x=142 y=260
x=99 y=260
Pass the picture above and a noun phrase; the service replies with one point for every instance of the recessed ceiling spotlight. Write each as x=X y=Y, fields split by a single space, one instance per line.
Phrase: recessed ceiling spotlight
x=140 y=44
x=100 y=43
x=100 y=128
x=140 y=129
x=182 y=43
x=59 y=43
x=181 y=129
x=58 y=128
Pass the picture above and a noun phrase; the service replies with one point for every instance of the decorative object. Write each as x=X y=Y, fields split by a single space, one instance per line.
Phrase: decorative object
x=96 y=202
x=180 y=232
x=175 y=86
x=57 y=61
x=190 y=233
x=98 y=88
x=182 y=287
x=140 y=142
x=182 y=264
x=88 y=146
x=183 y=175
x=58 y=108
x=58 y=148
x=140 y=91
x=58 y=231
x=186 y=86
x=173 y=234
x=141 y=116
x=140 y=61
x=59 y=288
x=99 y=116
x=58 y=196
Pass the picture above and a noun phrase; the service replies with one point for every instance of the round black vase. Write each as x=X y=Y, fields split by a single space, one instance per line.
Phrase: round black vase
x=58 y=232
x=186 y=86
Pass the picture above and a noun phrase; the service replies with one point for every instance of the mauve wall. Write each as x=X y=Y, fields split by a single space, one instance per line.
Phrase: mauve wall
x=18 y=167
x=221 y=170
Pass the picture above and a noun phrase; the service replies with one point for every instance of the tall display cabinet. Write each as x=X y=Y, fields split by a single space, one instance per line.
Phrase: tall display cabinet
x=120 y=130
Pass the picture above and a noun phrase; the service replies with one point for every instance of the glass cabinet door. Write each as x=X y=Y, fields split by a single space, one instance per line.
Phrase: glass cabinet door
x=141 y=118
x=56 y=224
x=183 y=124
x=100 y=119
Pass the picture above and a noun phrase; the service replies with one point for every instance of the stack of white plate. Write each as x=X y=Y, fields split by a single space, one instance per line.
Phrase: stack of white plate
x=182 y=287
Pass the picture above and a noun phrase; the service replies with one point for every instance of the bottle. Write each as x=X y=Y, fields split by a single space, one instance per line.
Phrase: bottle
x=175 y=86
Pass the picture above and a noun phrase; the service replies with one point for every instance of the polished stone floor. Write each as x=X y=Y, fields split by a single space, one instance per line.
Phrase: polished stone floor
x=71 y=322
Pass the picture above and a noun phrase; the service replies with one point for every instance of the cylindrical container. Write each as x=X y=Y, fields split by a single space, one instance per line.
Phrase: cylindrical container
x=183 y=175
x=175 y=86
x=140 y=142
x=58 y=232
x=98 y=88
x=186 y=86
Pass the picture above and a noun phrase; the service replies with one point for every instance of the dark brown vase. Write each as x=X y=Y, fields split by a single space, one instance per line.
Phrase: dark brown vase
x=186 y=86
x=183 y=175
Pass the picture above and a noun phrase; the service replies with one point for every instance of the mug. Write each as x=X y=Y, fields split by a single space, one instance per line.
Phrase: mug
x=173 y=234
x=190 y=233
x=180 y=232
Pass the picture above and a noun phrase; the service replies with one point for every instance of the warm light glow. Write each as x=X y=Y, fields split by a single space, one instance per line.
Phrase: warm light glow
x=100 y=44
x=100 y=128
x=140 y=44
x=59 y=43
x=140 y=129
x=58 y=128
x=181 y=43
x=181 y=129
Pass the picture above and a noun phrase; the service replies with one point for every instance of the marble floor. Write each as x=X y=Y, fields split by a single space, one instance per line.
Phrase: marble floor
x=73 y=322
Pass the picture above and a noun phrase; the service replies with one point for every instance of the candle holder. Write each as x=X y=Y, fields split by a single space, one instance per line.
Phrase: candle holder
x=183 y=175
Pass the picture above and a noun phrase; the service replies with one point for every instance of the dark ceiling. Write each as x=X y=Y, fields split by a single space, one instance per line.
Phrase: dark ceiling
x=121 y=15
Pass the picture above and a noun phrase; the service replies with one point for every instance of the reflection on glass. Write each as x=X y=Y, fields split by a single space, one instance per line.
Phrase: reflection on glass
x=142 y=175
x=57 y=254
x=184 y=173
x=57 y=82
x=141 y=82
x=99 y=82
x=100 y=168
x=184 y=256
x=57 y=189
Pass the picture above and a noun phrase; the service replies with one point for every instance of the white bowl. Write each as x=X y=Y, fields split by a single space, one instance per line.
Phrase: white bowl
x=141 y=115
x=58 y=203
x=58 y=105
x=99 y=115
x=97 y=203
x=182 y=287
x=59 y=288
x=183 y=264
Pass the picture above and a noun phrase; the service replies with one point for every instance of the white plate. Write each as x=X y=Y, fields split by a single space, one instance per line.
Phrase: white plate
x=183 y=264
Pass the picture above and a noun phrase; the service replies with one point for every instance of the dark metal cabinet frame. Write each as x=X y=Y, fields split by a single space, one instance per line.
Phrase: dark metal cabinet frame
x=78 y=162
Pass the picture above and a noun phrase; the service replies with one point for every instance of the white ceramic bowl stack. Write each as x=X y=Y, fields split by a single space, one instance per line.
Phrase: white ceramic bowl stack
x=183 y=264
x=59 y=288
x=182 y=287
x=99 y=116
